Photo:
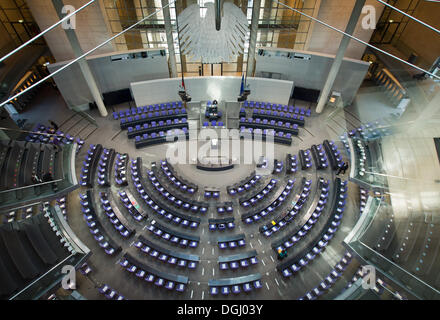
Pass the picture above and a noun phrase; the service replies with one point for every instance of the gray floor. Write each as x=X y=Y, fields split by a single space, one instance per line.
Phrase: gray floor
x=107 y=270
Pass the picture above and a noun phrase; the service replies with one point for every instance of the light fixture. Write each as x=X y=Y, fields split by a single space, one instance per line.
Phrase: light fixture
x=201 y=41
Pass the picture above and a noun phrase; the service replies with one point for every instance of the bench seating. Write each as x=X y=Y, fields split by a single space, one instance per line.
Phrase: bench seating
x=252 y=200
x=234 y=285
x=172 y=257
x=221 y=224
x=334 y=155
x=90 y=164
x=176 y=180
x=319 y=157
x=190 y=205
x=163 y=137
x=231 y=241
x=288 y=216
x=117 y=219
x=104 y=167
x=257 y=123
x=132 y=121
x=307 y=221
x=147 y=109
x=175 y=237
x=164 y=211
x=96 y=229
x=234 y=261
x=154 y=126
x=244 y=185
x=311 y=251
x=278 y=116
x=167 y=280
x=121 y=165
x=291 y=163
x=305 y=159
x=266 y=134
x=256 y=215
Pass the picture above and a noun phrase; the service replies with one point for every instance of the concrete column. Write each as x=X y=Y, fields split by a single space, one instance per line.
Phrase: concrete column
x=85 y=69
x=170 y=42
x=351 y=25
x=253 y=38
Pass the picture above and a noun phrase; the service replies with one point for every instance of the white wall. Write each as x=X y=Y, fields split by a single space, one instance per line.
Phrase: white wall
x=109 y=75
x=209 y=88
x=311 y=74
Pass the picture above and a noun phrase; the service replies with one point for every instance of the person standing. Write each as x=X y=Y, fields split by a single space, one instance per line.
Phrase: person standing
x=54 y=125
x=340 y=168
x=344 y=167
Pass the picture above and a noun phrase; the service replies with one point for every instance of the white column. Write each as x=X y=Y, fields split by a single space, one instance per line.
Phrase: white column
x=170 y=42
x=253 y=38
x=351 y=25
x=85 y=69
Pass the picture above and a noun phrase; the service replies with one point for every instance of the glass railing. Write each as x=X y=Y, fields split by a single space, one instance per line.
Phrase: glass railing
x=79 y=253
x=357 y=242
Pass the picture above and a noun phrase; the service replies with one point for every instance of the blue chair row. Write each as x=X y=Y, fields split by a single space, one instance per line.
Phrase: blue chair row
x=244 y=185
x=330 y=279
x=95 y=227
x=290 y=240
x=213 y=123
x=319 y=156
x=177 y=218
x=221 y=224
x=278 y=166
x=115 y=217
x=277 y=107
x=291 y=163
x=334 y=154
x=305 y=158
x=285 y=218
x=246 y=202
x=104 y=166
x=131 y=205
x=121 y=162
x=166 y=255
x=154 y=126
x=89 y=165
x=175 y=238
x=177 y=181
x=236 y=289
x=226 y=207
x=307 y=255
x=194 y=206
x=278 y=116
x=146 y=109
x=252 y=217
x=110 y=293
x=277 y=136
x=152 y=116
x=232 y=244
x=211 y=194
x=161 y=279
x=160 y=137
x=270 y=124
x=235 y=261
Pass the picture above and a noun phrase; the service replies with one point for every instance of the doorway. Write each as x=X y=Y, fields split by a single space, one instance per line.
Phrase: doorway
x=212 y=69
